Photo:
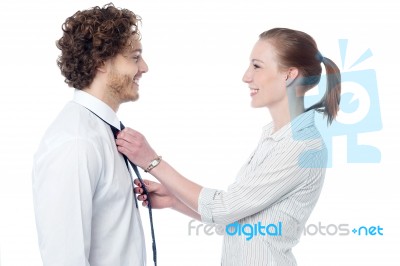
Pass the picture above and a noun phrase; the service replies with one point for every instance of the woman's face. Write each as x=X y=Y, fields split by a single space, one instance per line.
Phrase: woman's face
x=266 y=81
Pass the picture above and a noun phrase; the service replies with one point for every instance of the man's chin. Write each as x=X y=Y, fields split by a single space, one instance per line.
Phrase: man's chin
x=130 y=98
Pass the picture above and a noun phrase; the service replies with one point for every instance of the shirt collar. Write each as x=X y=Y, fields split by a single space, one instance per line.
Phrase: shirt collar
x=302 y=121
x=97 y=106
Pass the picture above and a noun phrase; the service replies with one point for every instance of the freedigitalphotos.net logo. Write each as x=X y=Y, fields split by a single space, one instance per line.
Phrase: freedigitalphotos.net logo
x=259 y=229
x=236 y=229
x=252 y=230
x=343 y=229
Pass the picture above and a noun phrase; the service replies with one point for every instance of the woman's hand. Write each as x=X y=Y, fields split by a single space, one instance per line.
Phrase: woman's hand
x=176 y=191
x=135 y=146
x=160 y=197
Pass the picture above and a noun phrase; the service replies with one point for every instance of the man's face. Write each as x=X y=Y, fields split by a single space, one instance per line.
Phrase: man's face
x=125 y=71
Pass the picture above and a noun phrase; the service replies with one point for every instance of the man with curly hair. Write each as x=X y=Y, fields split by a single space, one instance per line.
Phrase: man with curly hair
x=83 y=200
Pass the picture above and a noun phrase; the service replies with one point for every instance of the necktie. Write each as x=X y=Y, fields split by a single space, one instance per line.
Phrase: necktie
x=115 y=132
x=134 y=167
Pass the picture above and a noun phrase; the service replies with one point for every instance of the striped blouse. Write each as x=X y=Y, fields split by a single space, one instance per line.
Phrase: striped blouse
x=264 y=211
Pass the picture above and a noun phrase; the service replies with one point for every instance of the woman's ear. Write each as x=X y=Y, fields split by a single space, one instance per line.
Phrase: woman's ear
x=292 y=74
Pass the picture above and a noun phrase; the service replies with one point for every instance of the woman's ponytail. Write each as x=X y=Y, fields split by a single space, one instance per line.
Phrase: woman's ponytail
x=329 y=104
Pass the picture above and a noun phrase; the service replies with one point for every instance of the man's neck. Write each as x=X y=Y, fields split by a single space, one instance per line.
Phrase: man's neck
x=101 y=93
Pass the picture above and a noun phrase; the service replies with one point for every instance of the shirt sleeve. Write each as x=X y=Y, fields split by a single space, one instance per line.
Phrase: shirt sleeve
x=64 y=182
x=273 y=178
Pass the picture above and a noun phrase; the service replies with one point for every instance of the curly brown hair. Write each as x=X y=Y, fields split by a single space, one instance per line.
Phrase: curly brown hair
x=90 y=38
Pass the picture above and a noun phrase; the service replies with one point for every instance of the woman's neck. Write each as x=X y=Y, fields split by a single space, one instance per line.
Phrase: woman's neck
x=288 y=110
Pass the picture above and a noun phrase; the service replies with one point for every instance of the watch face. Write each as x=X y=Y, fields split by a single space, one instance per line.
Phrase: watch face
x=153 y=163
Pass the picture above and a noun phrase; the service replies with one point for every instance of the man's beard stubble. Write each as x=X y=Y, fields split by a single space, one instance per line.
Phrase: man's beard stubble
x=121 y=87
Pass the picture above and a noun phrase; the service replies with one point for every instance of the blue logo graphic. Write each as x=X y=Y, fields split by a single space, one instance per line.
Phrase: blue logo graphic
x=359 y=110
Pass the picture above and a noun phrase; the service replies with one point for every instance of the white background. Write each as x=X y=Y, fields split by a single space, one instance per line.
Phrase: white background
x=195 y=111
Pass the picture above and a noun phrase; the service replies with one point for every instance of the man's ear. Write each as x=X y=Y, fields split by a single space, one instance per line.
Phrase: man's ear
x=103 y=68
x=292 y=74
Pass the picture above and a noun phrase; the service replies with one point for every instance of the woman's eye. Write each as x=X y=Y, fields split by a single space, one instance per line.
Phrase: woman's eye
x=256 y=66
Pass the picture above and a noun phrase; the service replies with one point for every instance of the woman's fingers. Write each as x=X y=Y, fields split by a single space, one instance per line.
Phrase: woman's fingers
x=137 y=182
x=142 y=197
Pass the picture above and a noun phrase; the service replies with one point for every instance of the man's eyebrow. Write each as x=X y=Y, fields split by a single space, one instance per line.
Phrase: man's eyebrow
x=256 y=60
x=140 y=50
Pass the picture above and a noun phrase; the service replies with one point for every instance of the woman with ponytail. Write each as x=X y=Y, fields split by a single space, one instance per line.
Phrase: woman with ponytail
x=280 y=183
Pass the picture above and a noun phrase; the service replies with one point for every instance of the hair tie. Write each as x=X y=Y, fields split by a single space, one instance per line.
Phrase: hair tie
x=320 y=57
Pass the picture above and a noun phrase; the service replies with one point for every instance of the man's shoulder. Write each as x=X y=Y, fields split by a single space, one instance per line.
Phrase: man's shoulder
x=75 y=122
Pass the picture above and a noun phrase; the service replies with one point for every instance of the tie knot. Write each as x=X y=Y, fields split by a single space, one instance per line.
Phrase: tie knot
x=115 y=130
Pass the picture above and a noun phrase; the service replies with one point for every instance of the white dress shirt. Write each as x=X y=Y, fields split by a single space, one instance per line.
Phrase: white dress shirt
x=280 y=183
x=83 y=200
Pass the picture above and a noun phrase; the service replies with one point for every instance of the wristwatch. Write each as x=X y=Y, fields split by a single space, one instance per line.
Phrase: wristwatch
x=153 y=163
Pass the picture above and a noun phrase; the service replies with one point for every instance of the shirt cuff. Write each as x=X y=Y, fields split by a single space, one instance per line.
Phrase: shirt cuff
x=206 y=198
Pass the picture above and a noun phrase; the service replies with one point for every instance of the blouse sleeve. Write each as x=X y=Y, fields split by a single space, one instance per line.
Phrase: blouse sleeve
x=273 y=178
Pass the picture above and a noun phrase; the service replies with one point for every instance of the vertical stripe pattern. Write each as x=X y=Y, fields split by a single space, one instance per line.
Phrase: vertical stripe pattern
x=278 y=185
